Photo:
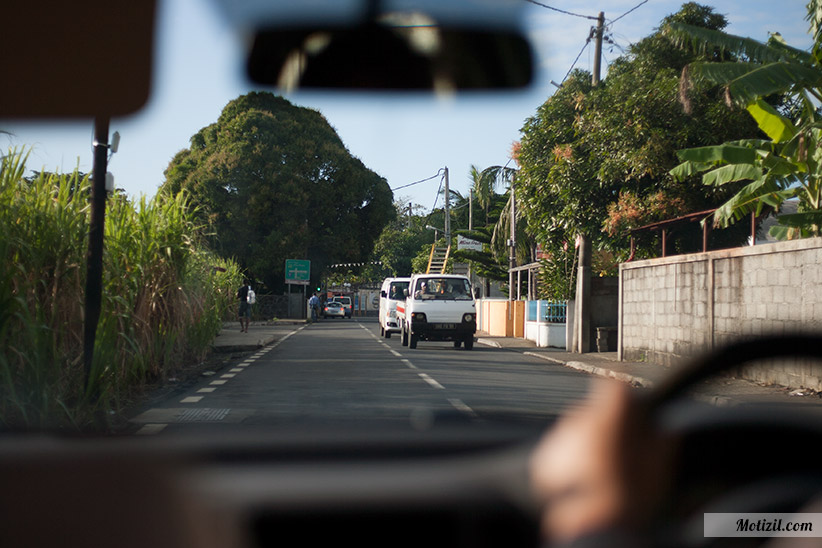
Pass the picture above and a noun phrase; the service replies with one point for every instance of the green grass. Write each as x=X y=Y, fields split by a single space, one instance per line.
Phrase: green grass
x=164 y=297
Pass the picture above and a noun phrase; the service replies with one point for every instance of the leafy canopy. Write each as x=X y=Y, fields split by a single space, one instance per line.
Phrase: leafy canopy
x=787 y=164
x=276 y=182
x=596 y=159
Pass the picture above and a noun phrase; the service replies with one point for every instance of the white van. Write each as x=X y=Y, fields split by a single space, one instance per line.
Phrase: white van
x=392 y=292
x=438 y=307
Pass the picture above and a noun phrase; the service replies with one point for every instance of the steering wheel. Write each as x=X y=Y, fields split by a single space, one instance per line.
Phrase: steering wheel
x=750 y=459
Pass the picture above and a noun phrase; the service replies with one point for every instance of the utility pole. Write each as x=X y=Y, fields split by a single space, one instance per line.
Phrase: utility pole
x=447 y=211
x=94 y=259
x=582 y=322
x=598 y=49
x=470 y=229
x=512 y=254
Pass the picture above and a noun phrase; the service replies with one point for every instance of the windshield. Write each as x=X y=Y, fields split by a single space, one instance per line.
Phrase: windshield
x=443 y=289
x=230 y=203
x=397 y=291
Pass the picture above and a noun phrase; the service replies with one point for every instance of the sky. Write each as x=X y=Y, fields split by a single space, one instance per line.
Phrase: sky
x=401 y=137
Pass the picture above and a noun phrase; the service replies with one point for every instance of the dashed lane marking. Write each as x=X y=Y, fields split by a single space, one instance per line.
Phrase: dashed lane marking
x=191 y=399
x=207 y=390
x=460 y=405
x=431 y=381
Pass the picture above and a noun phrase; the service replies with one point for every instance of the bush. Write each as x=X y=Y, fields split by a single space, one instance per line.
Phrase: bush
x=164 y=297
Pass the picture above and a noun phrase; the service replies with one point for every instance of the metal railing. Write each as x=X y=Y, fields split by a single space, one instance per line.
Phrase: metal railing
x=547 y=311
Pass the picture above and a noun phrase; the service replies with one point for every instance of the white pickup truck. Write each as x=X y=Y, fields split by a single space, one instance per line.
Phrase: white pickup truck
x=438 y=307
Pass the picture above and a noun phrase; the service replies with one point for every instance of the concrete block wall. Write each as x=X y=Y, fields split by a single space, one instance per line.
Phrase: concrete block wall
x=676 y=307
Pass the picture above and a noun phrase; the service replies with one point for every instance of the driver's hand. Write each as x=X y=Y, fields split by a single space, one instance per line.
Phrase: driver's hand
x=599 y=468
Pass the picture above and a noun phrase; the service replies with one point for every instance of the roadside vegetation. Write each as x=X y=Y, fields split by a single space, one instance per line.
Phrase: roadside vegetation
x=164 y=299
x=780 y=87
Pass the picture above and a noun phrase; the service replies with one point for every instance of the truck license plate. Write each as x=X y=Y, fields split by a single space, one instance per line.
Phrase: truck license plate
x=446 y=326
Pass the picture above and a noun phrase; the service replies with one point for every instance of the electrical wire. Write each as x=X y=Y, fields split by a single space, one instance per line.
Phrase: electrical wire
x=629 y=11
x=442 y=179
x=588 y=41
x=563 y=11
x=434 y=176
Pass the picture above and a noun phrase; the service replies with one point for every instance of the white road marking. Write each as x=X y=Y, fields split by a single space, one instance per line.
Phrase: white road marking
x=191 y=399
x=218 y=383
x=207 y=390
x=408 y=363
x=431 y=381
x=397 y=354
x=149 y=429
x=236 y=370
x=460 y=405
x=228 y=376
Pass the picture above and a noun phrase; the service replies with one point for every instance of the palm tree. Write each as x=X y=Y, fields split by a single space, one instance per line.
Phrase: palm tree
x=502 y=233
x=484 y=183
x=783 y=166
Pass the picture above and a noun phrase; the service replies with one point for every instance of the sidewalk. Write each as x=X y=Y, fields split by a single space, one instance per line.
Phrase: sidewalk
x=720 y=391
x=259 y=334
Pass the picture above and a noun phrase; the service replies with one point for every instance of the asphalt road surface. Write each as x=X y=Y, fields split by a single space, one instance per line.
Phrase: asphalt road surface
x=341 y=372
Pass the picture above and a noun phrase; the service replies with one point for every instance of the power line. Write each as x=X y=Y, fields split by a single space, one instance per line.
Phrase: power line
x=434 y=176
x=588 y=41
x=433 y=207
x=629 y=11
x=562 y=11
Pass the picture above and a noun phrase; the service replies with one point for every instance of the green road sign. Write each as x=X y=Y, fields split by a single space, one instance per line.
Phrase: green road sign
x=297 y=271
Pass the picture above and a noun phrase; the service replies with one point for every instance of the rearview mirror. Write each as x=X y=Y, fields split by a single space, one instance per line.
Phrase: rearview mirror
x=385 y=44
x=86 y=59
x=373 y=56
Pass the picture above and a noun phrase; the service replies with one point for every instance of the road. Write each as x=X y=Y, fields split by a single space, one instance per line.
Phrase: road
x=341 y=371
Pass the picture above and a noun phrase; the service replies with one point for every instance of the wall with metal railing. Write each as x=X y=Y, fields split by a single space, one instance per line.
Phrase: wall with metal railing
x=545 y=323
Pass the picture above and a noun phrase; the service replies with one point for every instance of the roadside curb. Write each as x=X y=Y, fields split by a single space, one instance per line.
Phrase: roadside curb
x=599 y=371
x=488 y=342
x=225 y=349
x=635 y=380
x=254 y=344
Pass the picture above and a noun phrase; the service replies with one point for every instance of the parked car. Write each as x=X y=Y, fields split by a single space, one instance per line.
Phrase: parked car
x=392 y=292
x=347 y=305
x=334 y=309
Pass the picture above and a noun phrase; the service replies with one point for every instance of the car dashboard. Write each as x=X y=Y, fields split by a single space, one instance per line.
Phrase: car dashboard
x=451 y=487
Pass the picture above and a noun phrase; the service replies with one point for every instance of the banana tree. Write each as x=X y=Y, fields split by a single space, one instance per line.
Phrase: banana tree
x=787 y=164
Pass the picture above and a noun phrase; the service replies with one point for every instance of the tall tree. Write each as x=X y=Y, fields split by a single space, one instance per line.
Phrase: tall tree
x=276 y=182
x=589 y=152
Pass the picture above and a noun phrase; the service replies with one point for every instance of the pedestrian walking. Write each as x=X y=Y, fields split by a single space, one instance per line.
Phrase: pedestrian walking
x=244 y=311
x=314 y=305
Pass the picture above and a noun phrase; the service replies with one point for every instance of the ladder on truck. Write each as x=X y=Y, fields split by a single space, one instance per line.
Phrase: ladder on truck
x=438 y=259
